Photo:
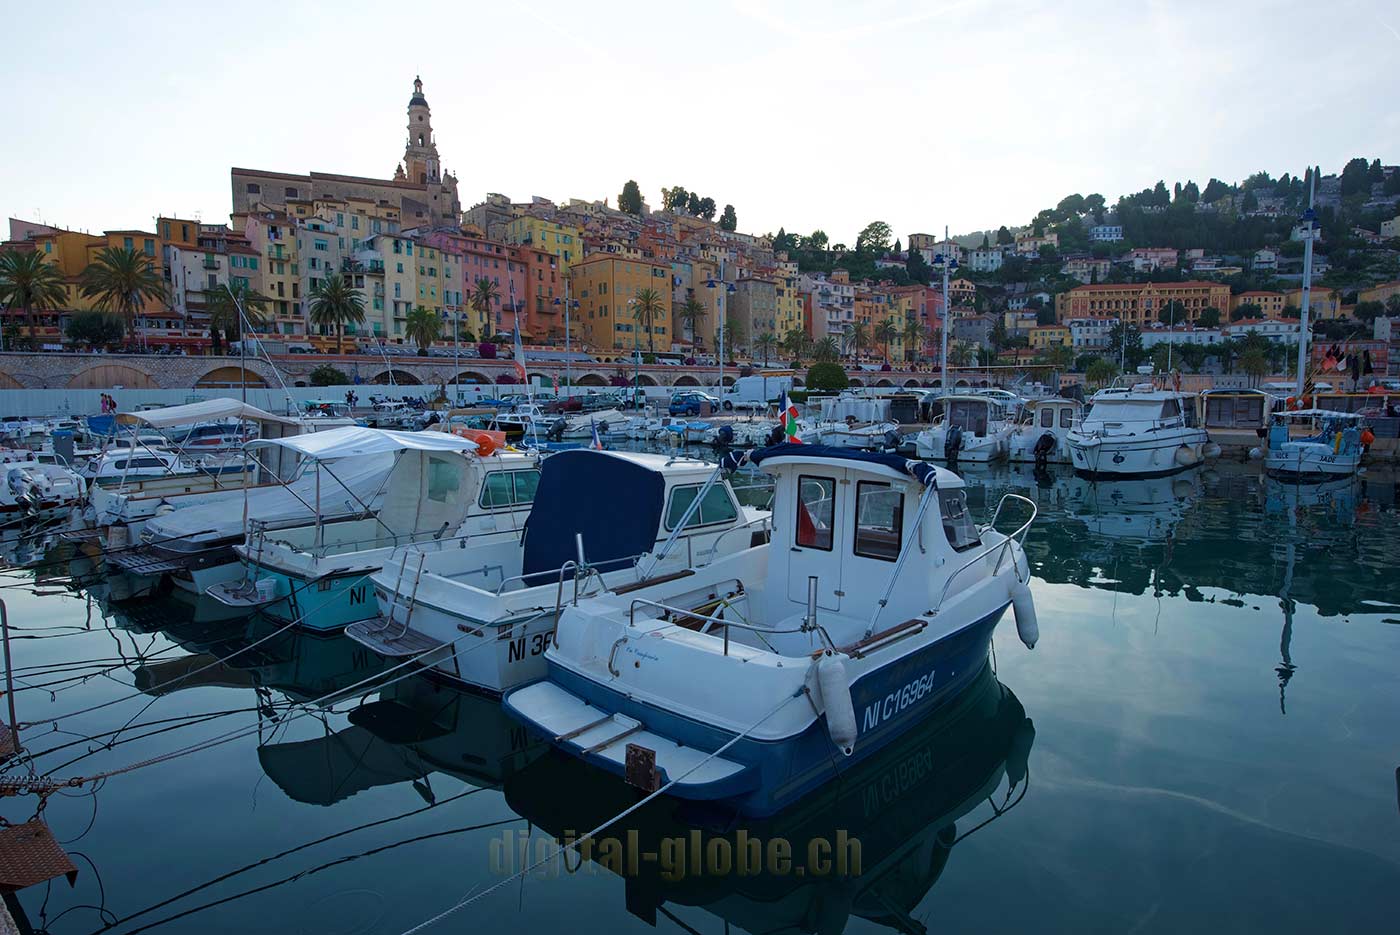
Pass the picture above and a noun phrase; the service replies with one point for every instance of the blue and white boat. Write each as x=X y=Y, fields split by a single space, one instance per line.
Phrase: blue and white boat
x=439 y=490
x=768 y=672
x=1333 y=450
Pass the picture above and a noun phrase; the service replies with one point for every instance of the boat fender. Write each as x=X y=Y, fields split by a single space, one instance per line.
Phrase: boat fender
x=1211 y=450
x=1023 y=605
x=1185 y=456
x=836 y=698
x=1256 y=453
x=165 y=508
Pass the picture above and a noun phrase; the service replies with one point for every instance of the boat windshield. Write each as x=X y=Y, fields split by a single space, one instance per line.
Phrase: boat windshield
x=957 y=521
x=1125 y=410
x=968 y=416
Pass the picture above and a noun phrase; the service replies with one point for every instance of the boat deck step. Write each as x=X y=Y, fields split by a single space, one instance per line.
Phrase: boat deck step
x=81 y=535
x=591 y=732
x=240 y=594
x=138 y=561
x=392 y=641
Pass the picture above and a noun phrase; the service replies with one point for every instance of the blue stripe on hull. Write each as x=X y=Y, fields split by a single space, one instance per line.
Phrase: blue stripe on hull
x=888 y=702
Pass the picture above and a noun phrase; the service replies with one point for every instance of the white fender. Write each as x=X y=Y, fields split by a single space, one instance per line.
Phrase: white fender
x=836 y=698
x=1185 y=455
x=1023 y=605
x=1211 y=450
x=1256 y=453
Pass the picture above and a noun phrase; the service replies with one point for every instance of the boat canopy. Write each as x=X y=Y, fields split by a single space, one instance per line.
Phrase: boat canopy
x=353 y=441
x=614 y=502
x=207 y=410
x=1314 y=413
x=921 y=471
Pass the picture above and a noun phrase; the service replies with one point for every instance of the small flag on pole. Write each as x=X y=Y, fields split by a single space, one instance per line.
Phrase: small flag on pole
x=519 y=357
x=788 y=413
x=597 y=444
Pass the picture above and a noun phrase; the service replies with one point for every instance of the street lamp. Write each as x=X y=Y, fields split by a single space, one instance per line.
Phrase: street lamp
x=720 y=308
x=948 y=264
x=567 y=303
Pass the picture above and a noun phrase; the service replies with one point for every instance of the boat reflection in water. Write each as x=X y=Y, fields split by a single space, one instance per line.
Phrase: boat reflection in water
x=885 y=830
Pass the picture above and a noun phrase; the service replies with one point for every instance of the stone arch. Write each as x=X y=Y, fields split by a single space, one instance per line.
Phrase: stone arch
x=399 y=376
x=106 y=376
x=911 y=382
x=8 y=382
x=884 y=381
x=471 y=376
x=646 y=379
x=855 y=381
x=221 y=377
x=686 y=379
x=798 y=381
x=592 y=379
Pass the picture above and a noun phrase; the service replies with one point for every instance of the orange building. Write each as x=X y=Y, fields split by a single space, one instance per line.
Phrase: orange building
x=1138 y=303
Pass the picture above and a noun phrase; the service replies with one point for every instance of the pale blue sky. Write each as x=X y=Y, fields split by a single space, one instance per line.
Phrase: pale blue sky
x=802 y=114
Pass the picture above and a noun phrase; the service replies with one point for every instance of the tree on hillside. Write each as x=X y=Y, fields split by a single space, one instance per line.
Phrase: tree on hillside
x=818 y=240
x=1246 y=310
x=1215 y=190
x=630 y=199
x=707 y=208
x=1172 y=311
x=728 y=221
x=675 y=199
x=1094 y=204
x=95 y=329
x=917 y=267
x=986 y=241
x=874 y=240
x=229 y=307
x=1004 y=237
x=123 y=280
x=334 y=304
x=1209 y=318
x=1368 y=311
x=691 y=313
x=692 y=204
x=1355 y=177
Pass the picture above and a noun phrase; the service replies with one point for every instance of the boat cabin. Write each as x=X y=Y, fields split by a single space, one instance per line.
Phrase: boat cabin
x=1117 y=407
x=1051 y=414
x=975 y=415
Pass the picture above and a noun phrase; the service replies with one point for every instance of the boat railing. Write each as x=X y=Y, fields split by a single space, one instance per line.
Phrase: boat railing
x=681 y=613
x=764 y=523
x=1002 y=547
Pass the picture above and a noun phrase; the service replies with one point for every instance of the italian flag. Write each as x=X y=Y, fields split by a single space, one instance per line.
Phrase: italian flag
x=787 y=410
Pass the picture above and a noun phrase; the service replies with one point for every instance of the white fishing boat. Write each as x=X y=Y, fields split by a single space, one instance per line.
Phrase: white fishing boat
x=443 y=488
x=526 y=423
x=483 y=614
x=1041 y=432
x=1136 y=431
x=772 y=670
x=971 y=428
x=1332 y=448
x=339 y=474
x=33 y=488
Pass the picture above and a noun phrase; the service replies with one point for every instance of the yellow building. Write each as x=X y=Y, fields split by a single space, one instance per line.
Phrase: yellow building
x=789 y=312
x=1044 y=337
x=604 y=285
x=1380 y=293
x=562 y=240
x=1270 y=303
x=1323 y=302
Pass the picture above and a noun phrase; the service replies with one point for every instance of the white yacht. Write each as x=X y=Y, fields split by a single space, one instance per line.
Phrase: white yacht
x=972 y=427
x=483 y=614
x=1041 y=432
x=1138 y=430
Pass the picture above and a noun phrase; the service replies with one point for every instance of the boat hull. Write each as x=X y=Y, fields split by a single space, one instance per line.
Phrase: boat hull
x=888 y=701
x=326 y=604
x=1310 y=461
x=1145 y=457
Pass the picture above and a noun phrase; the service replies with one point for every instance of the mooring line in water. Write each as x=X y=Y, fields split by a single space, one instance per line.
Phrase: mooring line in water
x=35 y=784
x=471 y=898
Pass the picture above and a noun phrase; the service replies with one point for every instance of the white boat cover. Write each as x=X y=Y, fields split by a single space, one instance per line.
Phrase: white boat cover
x=207 y=410
x=347 y=488
x=355 y=441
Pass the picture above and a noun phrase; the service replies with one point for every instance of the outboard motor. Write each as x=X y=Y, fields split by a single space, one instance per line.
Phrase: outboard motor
x=603 y=428
x=777 y=436
x=1043 y=446
x=556 y=430
x=893 y=440
x=725 y=435
x=952 y=444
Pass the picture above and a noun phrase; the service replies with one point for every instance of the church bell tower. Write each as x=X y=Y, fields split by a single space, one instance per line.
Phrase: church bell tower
x=420 y=158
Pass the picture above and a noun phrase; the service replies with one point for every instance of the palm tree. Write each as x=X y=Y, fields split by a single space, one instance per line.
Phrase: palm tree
x=826 y=350
x=335 y=303
x=483 y=296
x=766 y=342
x=29 y=284
x=914 y=334
x=885 y=332
x=122 y=280
x=798 y=343
x=857 y=337
x=646 y=309
x=691 y=313
x=224 y=305
x=423 y=327
x=959 y=353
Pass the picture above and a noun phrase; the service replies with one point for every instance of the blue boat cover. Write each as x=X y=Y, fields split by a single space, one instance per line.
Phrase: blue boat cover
x=921 y=471
x=614 y=502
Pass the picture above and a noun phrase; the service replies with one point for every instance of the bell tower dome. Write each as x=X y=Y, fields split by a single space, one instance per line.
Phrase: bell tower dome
x=420 y=158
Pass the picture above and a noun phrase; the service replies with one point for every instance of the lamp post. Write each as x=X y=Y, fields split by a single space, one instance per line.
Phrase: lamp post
x=568 y=303
x=722 y=311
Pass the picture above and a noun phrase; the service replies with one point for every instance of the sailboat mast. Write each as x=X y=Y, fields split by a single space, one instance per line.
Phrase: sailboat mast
x=947 y=319
x=1309 y=218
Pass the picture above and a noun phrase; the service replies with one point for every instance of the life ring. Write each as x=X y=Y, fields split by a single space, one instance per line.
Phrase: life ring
x=486 y=441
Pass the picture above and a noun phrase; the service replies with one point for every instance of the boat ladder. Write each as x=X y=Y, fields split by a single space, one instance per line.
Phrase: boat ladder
x=412 y=599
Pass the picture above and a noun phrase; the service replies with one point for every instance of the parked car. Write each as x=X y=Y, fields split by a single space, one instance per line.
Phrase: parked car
x=690 y=403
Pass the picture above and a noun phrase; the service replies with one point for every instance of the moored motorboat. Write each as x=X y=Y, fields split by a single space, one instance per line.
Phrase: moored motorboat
x=1138 y=431
x=971 y=428
x=1333 y=449
x=770 y=671
x=1041 y=433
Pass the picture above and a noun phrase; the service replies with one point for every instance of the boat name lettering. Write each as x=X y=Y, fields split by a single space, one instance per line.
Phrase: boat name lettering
x=896 y=701
x=643 y=653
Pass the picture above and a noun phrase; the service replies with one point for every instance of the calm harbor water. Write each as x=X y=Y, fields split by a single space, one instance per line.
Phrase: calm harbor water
x=1206 y=733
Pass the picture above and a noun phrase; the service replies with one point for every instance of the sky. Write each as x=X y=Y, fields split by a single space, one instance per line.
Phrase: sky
x=804 y=115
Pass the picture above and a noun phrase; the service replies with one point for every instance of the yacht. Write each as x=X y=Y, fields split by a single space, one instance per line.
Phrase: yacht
x=1136 y=431
x=1041 y=432
x=483 y=613
x=774 y=669
x=444 y=488
x=972 y=427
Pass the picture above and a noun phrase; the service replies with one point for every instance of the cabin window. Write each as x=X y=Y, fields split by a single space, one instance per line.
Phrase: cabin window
x=957 y=521
x=816 y=511
x=879 y=520
x=1171 y=409
x=717 y=507
x=1066 y=417
x=443 y=478
x=1047 y=418
x=509 y=488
